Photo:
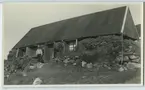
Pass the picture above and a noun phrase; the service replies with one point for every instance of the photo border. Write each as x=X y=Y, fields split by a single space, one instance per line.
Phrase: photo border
x=88 y=85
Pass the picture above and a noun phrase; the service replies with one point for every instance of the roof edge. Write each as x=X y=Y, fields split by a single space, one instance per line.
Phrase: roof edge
x=124 y=20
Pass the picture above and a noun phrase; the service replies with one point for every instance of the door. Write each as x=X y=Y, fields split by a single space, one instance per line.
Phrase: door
x=48 y=52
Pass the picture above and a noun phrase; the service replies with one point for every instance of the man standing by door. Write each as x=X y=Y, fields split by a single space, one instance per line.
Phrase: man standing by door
x=39 y=53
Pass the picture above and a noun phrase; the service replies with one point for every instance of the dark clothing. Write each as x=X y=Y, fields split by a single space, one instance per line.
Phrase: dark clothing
x=40 y=59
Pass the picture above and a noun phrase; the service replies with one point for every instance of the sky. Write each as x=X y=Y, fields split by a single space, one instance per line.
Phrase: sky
x=19 y=18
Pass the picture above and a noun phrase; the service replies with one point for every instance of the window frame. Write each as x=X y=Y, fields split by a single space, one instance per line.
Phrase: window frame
x=72 y=46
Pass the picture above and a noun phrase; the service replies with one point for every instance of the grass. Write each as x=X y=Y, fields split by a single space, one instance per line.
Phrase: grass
x=53 y=73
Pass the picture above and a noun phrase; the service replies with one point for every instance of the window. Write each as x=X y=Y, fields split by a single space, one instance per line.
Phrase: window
x=72 y=47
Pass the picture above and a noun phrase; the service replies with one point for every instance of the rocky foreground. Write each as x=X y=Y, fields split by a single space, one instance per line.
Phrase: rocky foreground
x=105 y=59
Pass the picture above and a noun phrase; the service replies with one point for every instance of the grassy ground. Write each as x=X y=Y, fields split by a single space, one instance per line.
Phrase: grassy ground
x=52 y=73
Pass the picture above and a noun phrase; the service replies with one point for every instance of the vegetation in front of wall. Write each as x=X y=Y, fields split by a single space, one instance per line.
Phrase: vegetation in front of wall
x=15 y=64
x=109 y=51
x=102 y=49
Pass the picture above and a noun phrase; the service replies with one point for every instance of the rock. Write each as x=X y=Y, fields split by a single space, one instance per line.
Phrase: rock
x=40 y=65
x=66 y=61
x=32 y=67
x=137 y=65
x=83 y=63
x=7 y=76
x=121 y=69
x=136 y=60
x=133 y=57
x=83 y=76
x=125 y=68
x=74 y=64
x=130 y=47
x=37 y=81
x=71 y=61
x=119 y=58
x=120 y=53
x=106 y=66
x=6 y=69
x=126 y=58
x=132 y=65
x=89 y=65
x=128 y=53
x=96 y=64
x=76 y=56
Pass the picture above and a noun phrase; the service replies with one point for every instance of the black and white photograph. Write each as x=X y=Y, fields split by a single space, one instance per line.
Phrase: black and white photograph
x=72 y=43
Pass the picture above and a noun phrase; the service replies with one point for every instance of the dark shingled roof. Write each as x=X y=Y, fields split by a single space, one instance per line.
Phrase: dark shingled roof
x=95 y=24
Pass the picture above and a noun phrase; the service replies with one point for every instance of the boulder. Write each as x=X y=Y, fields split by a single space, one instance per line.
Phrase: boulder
x=130 y=47
x=126 y=58
x=37 y=81
x=71 y=61
x=74 y=64
x=89 y=65
x=132 y=65
x=125 y=68
x=66 y=61
x=137 y=65
x=84 y=76
x=32 y=67
x=56 y=59
x=136 y=60
x=121 y=69
x=96 y=64
x=133 y=57
x=119 y=58
x=83 y=63
x=106 y=66
x=40 y=65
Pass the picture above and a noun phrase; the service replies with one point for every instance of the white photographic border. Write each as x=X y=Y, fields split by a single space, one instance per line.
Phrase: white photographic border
x=70 y=85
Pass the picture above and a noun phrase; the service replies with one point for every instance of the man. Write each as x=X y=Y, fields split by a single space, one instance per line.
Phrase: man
x=39 y=54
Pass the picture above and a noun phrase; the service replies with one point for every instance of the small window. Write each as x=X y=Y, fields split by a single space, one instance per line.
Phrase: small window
x=72 y=47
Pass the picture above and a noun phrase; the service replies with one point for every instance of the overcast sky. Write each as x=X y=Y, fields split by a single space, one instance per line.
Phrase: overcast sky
x=19 y=18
